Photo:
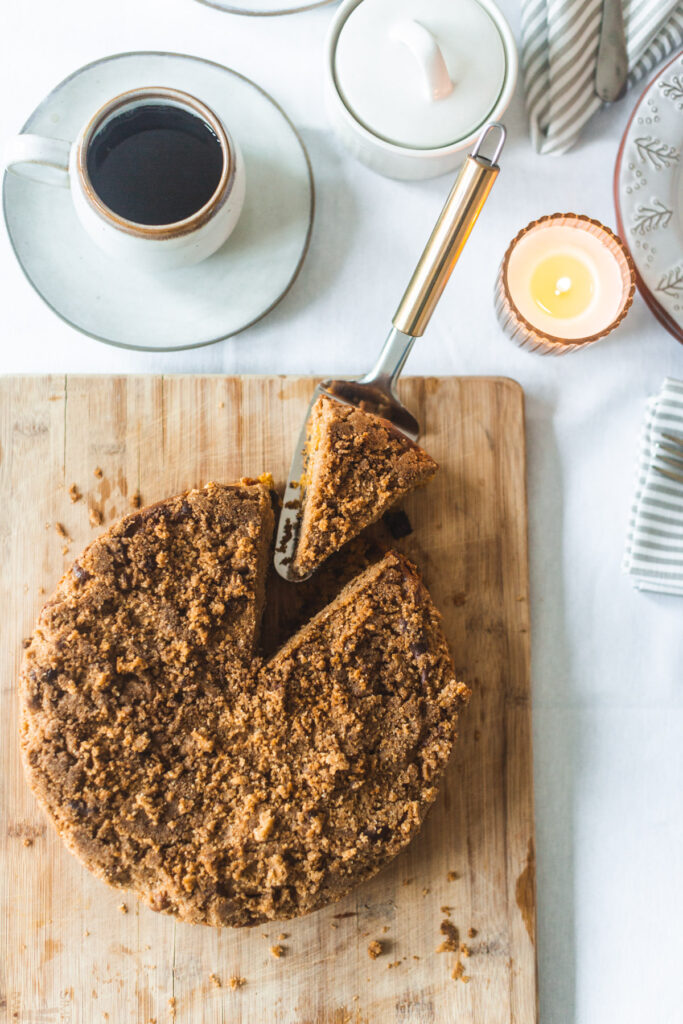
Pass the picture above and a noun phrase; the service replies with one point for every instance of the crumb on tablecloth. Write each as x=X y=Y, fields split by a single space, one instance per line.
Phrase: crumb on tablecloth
x=375 y=949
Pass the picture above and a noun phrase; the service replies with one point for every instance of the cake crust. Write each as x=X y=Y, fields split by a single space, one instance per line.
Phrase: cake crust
x=221 y=788
x=356 y=466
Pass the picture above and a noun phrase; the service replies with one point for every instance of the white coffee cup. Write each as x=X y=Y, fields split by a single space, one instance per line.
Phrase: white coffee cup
x=150 y=247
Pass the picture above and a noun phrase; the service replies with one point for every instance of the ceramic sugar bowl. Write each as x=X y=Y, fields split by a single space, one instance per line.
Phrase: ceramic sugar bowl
x=409 y=83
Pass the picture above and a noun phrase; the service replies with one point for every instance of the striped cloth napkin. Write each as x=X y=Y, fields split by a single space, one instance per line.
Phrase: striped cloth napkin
x=654 y=547
x=559 y=56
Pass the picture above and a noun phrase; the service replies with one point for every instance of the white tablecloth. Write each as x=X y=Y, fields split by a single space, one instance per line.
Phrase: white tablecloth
x=607 y=662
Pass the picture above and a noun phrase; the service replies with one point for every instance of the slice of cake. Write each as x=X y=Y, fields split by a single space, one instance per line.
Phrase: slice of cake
x=356 y=466
x=219 y=788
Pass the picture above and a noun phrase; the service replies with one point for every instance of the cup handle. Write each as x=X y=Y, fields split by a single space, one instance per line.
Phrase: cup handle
x=39 y=158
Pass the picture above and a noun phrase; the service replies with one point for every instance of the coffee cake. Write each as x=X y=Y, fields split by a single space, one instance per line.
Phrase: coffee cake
x=356 y=466
x=218 y=787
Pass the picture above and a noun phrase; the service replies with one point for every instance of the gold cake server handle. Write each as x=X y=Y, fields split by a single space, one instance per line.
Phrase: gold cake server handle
x=447 y=240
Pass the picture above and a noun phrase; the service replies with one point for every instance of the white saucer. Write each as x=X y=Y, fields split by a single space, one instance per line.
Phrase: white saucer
x=264 y=8
x=179 y=308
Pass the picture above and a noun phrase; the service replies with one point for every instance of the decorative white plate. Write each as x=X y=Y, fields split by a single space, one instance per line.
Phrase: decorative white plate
x=175 y=309
x=265 y=8
x=648 y=194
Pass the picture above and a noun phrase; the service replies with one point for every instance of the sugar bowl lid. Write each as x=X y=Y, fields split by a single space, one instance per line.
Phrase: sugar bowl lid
x=423 y=74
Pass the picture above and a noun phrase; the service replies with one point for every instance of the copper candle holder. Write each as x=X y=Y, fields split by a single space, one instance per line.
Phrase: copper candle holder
x=531 y=337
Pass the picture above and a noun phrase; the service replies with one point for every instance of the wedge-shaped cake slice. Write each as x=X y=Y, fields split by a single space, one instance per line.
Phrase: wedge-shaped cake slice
x=356 y=467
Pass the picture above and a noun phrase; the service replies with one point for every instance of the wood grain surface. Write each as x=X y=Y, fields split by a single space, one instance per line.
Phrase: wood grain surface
x=73 y=950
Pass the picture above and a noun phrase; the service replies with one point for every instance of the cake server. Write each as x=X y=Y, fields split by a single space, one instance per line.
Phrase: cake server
x=376 y=391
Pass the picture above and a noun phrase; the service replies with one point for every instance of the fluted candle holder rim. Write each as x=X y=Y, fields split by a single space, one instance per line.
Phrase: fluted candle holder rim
x=617 y=247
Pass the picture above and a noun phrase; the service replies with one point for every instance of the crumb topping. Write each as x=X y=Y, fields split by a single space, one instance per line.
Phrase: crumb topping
x=177 y=763
x=356 y=467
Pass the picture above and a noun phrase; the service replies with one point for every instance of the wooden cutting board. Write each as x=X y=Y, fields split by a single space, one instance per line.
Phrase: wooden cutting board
x=73 y=950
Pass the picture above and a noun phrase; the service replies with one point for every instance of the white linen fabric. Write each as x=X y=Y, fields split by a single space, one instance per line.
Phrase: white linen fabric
x=607 y=661
x=559 y=57
x=654 y=547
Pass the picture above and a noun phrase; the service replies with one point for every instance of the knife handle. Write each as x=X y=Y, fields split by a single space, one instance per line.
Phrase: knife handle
x=447 y=240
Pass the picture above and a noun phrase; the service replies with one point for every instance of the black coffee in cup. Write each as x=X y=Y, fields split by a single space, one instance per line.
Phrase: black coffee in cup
x=155 y=164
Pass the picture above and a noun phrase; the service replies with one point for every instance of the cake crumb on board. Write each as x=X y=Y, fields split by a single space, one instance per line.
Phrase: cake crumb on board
x=136 y=499
x=450 y=943
x=215 y=980
x=277 y=951
x=236 y=982
x=471 y=932
x=98 y=472
x=452 y=876
x=74 y=493
x=375 y=949
x=123 y=908
x=95 y=516
x=64 y=534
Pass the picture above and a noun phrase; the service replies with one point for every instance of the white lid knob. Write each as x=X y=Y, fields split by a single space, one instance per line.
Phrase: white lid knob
x=420 y=73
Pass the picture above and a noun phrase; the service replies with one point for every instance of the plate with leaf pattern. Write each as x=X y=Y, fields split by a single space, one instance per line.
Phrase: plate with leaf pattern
x=648 y=194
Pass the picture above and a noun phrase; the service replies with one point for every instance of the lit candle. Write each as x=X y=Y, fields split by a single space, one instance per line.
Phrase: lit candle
x=565 y=281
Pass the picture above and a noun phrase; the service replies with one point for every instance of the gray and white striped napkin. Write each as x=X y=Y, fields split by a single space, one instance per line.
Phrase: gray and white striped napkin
x=654 y=547
x=559 y=56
